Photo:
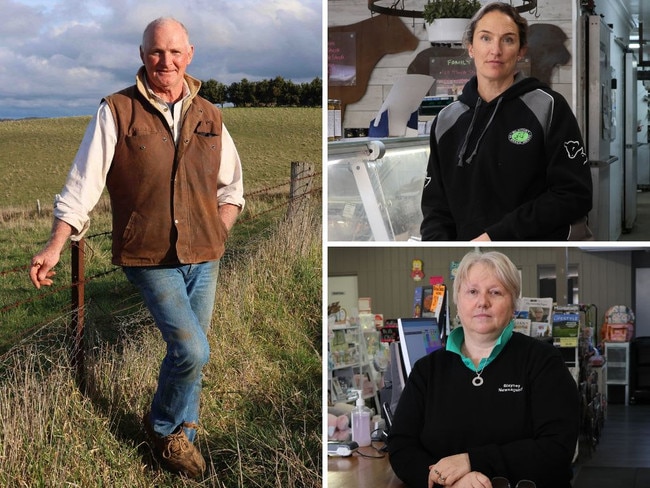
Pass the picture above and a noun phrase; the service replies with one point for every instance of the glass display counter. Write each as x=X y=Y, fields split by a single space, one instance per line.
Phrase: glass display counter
x=375 y=188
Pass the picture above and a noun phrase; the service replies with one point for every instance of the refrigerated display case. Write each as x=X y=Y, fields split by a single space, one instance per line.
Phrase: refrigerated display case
x=375 y=188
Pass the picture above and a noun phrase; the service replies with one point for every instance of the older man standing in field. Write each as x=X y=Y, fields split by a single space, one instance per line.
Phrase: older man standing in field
x=175 y=183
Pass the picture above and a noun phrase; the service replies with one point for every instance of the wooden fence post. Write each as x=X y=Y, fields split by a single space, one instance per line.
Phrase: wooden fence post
x=78 y=356
x=300 y=186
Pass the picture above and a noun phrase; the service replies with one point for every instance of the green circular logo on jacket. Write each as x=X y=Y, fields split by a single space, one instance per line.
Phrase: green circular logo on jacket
x=520 y=136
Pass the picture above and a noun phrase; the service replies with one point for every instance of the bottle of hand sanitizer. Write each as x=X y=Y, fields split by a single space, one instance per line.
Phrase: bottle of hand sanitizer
x=361 y=423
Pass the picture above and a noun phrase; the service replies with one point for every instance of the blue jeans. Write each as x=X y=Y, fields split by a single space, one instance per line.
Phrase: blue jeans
x=181 y=301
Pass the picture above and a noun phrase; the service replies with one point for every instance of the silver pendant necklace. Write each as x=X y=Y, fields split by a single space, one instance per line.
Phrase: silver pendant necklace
x=477 y=380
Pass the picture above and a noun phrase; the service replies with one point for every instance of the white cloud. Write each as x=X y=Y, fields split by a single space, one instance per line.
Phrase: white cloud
x=61 y=57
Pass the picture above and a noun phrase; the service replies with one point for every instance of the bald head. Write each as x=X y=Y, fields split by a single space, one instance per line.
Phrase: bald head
x=159 y=23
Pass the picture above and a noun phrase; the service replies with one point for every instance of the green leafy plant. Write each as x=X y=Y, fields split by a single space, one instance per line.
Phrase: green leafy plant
x=443 y=9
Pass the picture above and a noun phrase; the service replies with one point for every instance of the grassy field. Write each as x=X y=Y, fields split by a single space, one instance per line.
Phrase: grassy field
x=261 y=408
x=35 y=154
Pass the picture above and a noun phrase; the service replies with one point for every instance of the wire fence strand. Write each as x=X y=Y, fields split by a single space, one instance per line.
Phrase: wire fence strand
x=89 y=252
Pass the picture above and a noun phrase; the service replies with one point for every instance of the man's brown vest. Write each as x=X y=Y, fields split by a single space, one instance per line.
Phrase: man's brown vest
x=163 y=197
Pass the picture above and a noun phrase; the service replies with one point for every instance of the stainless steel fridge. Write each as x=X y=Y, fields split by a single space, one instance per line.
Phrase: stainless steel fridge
x=631 y=143
x=599 y=123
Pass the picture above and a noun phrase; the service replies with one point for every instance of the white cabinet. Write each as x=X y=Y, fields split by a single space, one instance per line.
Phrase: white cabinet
x=617 y=355
x=350 y=363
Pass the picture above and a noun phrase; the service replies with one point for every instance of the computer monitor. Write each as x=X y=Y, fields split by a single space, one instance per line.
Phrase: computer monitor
x=418 y=337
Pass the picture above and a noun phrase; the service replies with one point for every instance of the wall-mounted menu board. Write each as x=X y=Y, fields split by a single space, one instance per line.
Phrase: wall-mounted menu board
x=450 y=73
x=342 y=59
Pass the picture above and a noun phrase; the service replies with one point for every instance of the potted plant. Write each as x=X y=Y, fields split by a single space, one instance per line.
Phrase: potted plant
x=446 y=20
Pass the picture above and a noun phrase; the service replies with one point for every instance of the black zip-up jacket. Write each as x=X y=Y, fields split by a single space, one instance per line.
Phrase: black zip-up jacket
x=515 y=167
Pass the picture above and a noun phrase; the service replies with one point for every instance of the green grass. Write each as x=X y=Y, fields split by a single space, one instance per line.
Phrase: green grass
x=35 y=156
x=261 y=407
x=269 y=138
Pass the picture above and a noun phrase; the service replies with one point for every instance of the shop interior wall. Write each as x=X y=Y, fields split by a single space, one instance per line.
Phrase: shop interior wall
x=390 y=67
x=384 y=273
x=641 y=305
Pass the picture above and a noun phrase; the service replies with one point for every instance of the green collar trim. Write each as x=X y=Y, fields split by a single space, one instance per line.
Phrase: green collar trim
x=457 y=337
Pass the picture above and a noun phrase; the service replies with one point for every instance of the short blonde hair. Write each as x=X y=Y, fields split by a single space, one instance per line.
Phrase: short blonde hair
x=505 y=271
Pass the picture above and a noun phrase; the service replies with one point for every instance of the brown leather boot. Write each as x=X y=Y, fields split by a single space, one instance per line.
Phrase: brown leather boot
x=175 y=452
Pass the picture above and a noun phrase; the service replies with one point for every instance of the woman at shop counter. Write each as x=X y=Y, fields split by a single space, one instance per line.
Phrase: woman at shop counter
x=493 y=402
x=507 y=158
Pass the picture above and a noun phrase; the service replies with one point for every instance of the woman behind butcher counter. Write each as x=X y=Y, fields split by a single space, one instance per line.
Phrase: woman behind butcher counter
x=507 y=160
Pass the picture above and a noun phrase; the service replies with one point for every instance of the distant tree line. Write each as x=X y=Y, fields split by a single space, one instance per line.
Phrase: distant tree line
x=277 y=92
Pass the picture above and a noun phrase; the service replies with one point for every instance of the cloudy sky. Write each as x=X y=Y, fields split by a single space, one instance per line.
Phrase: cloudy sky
x=60 y=57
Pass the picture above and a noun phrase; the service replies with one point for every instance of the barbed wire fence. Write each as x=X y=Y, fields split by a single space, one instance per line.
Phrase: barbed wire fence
x=68 y=324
